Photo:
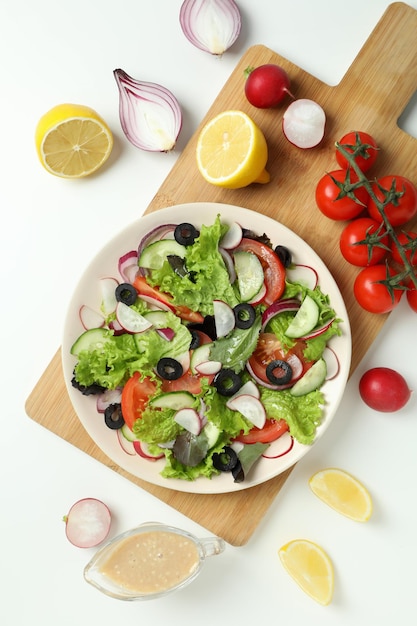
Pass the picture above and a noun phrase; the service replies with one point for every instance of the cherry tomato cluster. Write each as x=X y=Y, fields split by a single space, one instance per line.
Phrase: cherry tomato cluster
x=374 y=240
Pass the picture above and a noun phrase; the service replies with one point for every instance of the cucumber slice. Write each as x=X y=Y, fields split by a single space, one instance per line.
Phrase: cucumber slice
x=312 y=379
x=200 y=355
x=305 y=319
x=175 y=400
x=158 y=319
x=91 y=339
x=212 y=433
x=128 y=434
x=250 y=274
x=154 y=255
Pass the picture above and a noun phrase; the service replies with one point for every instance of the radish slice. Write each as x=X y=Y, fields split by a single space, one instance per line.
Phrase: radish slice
x=128 y=266
x=318 y=331
x=332 y=363
x=126 y=445
x=249 y=389
x=88 y=523
x=250 y=407
x=116 y=327
x=144 y=452
x=108 y=397
x=224 y=318
x=259 y=296
x=108 y=297
x=304 y=275
x=156 y=304
x=189 y=419
x=279 y=447
x=131 y=320
x=90 y=318
x=230 y=266
x=233 y=237
x=303 y=123
x=207 y=368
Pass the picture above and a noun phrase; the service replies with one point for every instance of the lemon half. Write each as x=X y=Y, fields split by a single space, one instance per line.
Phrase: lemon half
x=72 y=141
x=232 y=151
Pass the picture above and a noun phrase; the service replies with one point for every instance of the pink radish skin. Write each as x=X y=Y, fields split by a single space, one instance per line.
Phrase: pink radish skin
x=87 y=523
x=90 y=318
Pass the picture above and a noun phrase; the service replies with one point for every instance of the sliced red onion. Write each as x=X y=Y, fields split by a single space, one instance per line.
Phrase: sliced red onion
x=90 y=318
x=166 y=333
x=128 y=266
x=211 y=25
x=160 y=232
x=332 y=363
x=150 y=114
x=230 y=266
x=281 y=306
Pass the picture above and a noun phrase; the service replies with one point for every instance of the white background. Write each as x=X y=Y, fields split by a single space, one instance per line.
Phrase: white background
x=51 y=228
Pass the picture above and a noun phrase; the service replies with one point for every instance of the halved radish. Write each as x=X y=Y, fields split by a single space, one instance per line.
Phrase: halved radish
x=304 y=275
x=189 y=419
x=90 y=318
x=207 y=368
x=233 y=237
x=131 y=320
x=332 y=362
x=303 y=123
x=108 y=286
x=279 y=447
x=200 y=355
x=250 y=407
x=258 y=297
x=87 y=523
x=155 y=303
x=249 y=388
x=143 y=451
x=224 y=318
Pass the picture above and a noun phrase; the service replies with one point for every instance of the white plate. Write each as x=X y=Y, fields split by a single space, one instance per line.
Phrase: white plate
x=106 y=264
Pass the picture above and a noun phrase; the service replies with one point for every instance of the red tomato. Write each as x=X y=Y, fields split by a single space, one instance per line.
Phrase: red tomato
x=370 y=291
x=273 y=268
x=266 y=86
x=272 y=430
x=405 y=238
x=183 y=312
x=384 y=389
x=269 y=349
x=135 y=395
x=362 y=145
x=189 y=381
x=402 y=194
x=412 y=298
x=335 y=197
x=363 y=254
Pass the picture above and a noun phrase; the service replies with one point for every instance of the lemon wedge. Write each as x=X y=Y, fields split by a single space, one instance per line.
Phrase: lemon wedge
x=310 y=567
x=343 y=492
x=72 y=141
x=232 y=151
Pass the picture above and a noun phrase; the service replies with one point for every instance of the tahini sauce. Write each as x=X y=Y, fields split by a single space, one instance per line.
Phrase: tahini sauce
x=152 y=562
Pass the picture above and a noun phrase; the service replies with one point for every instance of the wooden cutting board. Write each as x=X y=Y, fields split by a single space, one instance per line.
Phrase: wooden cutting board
x=371 y=97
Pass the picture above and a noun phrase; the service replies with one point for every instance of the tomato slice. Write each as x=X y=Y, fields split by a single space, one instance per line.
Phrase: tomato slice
x=182 y=311
x=273 y=268
x=272 y=430
x=135 y=396
x=269 y=349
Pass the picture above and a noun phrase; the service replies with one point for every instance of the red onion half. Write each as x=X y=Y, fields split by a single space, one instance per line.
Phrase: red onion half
x=211 y=25
x=150 y=114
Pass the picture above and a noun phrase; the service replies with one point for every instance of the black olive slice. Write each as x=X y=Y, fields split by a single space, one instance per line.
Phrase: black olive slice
x=113 y=416
x=227 y=382
x=169 y=369
x=284 y=255
x=185 y=234
x=126 y=293
x=279 y=372
x=226 y=460
x=245 y=315
x=195 y=339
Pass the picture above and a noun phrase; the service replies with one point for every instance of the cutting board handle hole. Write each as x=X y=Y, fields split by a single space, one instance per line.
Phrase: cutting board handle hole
x=408 y=118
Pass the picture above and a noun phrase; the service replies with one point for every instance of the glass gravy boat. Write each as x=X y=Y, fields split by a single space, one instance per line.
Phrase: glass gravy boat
x=149 y=562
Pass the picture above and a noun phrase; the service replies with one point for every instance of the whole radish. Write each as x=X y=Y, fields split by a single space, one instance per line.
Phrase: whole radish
x=266 y=85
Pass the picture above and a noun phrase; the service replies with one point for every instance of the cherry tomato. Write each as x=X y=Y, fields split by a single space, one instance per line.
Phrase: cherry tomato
x=266 y=86
x=135 y=395
x=403 y=196
x=272 y=430
x=371 y=293
x=384 y=389
x=363 y=145
x=269 y=349
x=412 y=299
x=361 y=254
x=183 y=312
x=405 y=238
x=273 y=268
x=335 y=197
